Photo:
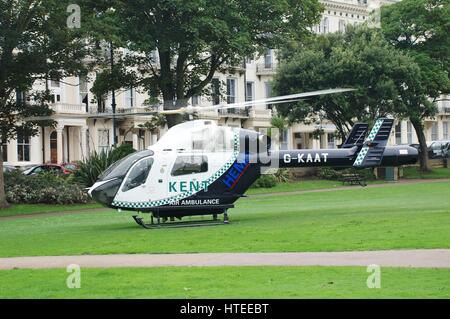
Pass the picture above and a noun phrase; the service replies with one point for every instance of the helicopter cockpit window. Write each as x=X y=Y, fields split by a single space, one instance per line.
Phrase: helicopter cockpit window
x=121 y=167
x=138 y=174
x=185 y=165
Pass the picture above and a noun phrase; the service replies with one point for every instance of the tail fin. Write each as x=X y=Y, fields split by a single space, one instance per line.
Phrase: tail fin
x=357 y=135
x=371 y=154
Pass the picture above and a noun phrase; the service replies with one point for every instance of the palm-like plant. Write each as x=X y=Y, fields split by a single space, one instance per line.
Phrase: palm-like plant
x=91 y=168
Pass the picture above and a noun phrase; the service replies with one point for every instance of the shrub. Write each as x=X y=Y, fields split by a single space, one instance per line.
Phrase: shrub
x=45 y=188
x=265 y=181
x=282 y=175
x=90 y=169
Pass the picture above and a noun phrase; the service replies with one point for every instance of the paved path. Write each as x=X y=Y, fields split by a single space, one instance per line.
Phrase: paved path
x=423 y=258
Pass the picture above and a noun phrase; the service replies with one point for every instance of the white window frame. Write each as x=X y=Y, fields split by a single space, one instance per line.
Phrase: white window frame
x=83 y=89
x=26 y=142
x=398 y=133
x=213 y=93
x=251 y=85
x=445 y=131
x=331 y=140
x=195 y=100
x=104 y=146
x=231 y=90
x=434 y=131
x=342 y=25
x=130 y=98
x=409 y=132
x=268 y=59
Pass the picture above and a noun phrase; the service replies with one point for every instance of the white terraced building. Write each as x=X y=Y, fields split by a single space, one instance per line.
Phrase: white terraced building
x=75 y=138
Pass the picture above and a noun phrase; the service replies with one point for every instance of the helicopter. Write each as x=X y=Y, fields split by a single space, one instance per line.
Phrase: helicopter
x=199 y=168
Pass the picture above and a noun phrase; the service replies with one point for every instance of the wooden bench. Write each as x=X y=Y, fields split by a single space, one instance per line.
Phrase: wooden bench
x=353 y=179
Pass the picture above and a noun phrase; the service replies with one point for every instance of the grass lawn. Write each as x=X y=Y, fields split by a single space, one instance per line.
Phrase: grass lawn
x=296 y=186
x=415 y=173
x=392 y=217
x=227 y=282
x=43 y=208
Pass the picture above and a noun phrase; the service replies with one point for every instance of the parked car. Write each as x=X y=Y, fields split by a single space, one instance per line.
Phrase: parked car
x=439 y=149
x=51 y=168
x=70 y=167
x=8 y=168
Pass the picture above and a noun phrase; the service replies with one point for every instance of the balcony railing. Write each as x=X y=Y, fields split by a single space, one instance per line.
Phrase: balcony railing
x=66 y=108
x=266 y=68
x=234 y=112
x=444 y=110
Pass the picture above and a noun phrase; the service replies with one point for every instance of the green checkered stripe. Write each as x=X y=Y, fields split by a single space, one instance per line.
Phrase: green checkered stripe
x=375 y=129
x=373 y=133
x=361 y=156
x=184 y=195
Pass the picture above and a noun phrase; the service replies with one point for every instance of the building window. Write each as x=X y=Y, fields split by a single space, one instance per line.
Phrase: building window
x=215 y=91
x=268 y=92
x=103 y=140
x=445 y=130
x=434 y=132
x=23 y=147
x=324 y=26
x=195 y=100
x=231 y=91
x=4 y=150
x=398 y=133
x=129 y=97
x=84 y=91
x=268 y=59
x=341 y=25
x=409 y=131
x=331 y=141
x=55 y=84
x=20 y=97
x=250 y=91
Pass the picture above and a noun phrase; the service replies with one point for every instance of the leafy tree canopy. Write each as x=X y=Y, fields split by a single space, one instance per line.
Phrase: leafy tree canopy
x=385 y=79
x=177 y=46
x=35 y=44
x=421 y=28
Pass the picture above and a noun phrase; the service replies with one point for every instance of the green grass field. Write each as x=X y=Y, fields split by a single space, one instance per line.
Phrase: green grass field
x=415 y=173
x=227 y=282
x=391 y=217
x=296 y=186
x=27 y=209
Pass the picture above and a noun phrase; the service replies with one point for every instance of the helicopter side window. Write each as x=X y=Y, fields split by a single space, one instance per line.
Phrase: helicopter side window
x=185 y=165
x=138 y=174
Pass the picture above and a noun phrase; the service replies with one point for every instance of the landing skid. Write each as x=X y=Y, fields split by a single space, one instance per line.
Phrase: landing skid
x=194 y=223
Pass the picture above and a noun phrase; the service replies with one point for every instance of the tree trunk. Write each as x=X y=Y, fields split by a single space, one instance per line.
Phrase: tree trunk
x=3 y=202
x=423 y=153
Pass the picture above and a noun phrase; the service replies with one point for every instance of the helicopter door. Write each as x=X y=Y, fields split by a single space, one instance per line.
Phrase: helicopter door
x=135 y=185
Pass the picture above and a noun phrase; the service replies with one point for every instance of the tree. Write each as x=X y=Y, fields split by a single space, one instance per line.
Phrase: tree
x=36 y=45
x=177 y=46
x=385 y=79
x=420 y=28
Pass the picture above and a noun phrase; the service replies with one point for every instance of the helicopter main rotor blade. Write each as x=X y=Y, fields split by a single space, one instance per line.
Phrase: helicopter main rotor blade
x=282 y=99
x=191 y=110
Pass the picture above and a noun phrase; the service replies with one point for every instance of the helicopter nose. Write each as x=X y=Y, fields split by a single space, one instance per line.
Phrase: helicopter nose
x=104 y=192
